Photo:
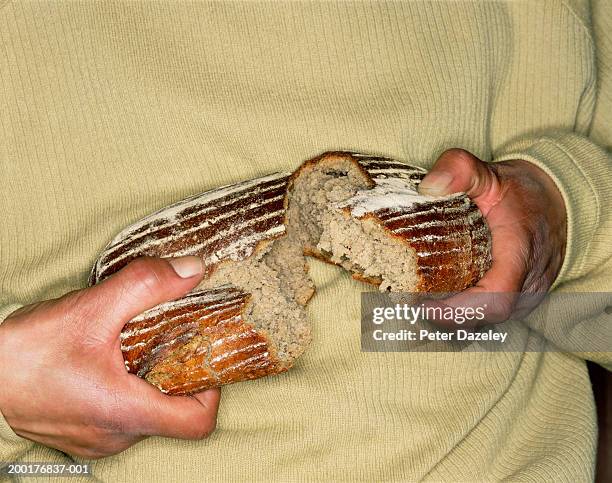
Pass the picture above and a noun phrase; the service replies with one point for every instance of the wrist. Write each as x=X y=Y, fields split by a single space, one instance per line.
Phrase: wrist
x=545 y=208
x=547 y=185
x=563 y=156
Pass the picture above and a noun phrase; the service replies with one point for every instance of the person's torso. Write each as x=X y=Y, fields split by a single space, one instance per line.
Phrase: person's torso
x=109 y=111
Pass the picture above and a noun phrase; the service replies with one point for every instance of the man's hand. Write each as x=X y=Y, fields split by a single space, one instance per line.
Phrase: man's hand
x=526 y=215
x=64 y=383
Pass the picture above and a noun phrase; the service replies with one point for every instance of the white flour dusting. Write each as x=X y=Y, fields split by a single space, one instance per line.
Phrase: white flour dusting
x=394 y=193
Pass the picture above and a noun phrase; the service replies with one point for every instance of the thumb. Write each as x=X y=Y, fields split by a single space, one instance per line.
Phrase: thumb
x=141 y=285
x=457 y=170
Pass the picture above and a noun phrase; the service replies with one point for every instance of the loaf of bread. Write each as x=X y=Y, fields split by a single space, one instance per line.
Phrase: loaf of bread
x=247 y=318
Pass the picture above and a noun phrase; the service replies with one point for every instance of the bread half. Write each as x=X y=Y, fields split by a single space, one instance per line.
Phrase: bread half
x=246 y=319
x=364 y=213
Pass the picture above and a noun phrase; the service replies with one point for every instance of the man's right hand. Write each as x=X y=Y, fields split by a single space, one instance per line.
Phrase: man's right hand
x=63 y=379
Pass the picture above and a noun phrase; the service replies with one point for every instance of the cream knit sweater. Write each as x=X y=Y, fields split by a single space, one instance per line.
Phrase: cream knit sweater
x=110 y=110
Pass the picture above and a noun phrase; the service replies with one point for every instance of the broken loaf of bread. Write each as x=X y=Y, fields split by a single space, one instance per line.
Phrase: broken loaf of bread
x=246 y=319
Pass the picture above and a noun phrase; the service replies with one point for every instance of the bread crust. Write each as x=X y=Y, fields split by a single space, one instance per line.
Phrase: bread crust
x=199 y=341
x=225 y=224
x=449 y=236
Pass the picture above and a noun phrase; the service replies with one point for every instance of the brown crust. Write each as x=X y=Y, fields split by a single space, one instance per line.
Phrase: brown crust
x=227 y=223
x=329 y=157
x=198 y=342
x=310 y=252
x=450 y=236
x=362 y=278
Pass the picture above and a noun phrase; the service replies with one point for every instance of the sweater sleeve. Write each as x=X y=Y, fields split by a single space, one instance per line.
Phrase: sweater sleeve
x=580 y=160
x=11 y=445
x=581 y=170
x=601 y=128
x=581 y=165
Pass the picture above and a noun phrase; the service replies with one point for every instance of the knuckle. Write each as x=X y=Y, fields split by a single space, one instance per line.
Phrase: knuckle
x=141 y=268
x=98 y=451
x=204 y=427
x=454 y=152
x=145 y=273
x=460 y=155
x=503 y=310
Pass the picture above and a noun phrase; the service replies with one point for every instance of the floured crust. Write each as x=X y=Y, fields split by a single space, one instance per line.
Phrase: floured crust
x=198 y=342
x=225 y=224
x=449 y=234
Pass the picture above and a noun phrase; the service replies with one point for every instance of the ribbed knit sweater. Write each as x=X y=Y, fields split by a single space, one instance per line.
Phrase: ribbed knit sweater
x=110 y=110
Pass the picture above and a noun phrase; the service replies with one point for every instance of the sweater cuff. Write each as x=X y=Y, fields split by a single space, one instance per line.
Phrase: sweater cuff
x=11 y=445
x=562 y=156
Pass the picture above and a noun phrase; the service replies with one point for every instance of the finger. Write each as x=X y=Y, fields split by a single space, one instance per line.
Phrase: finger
x=497 y=292
x=184 y=417
x=483 y=308
x=141 y=285
x=208 y=398
x=457 y=170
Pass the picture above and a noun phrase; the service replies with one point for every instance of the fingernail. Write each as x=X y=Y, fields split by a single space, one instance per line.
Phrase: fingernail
x=435 y=184
x=186 y=267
